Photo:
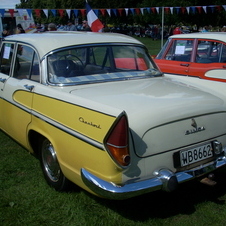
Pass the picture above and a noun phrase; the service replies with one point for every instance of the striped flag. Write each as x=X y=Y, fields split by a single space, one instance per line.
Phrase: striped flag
x=93 y=21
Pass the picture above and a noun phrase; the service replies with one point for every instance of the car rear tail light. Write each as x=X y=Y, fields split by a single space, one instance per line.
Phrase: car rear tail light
x=117 y=142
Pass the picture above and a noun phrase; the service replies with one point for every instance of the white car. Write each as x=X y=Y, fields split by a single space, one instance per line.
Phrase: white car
x=97 y=112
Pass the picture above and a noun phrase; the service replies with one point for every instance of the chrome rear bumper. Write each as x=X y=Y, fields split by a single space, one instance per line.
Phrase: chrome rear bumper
x=164 y=179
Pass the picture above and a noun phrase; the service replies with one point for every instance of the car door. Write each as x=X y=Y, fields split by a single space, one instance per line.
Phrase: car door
x=17 y=93
x=6 y=64
x=210 y=55
x=176 y=59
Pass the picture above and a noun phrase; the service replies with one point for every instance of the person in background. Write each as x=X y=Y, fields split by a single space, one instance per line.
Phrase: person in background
x=20 y=29
x=70 y=26
x=52 y=27
x=205 y=29
x=85 y=26
x=5 y=32
x=171 y=30
x=177 y=30
x=223 y=29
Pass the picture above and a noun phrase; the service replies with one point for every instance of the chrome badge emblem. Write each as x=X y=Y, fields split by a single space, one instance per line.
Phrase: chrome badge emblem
x=196 y=128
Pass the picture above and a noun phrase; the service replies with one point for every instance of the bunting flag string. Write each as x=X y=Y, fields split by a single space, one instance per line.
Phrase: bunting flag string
x=120 y=11
x=183 y=10
x=53 y=12
x=132 y=11
x=76 y=12
x=68 y=13
x=38 y=12
x=21 y=12
x=103 y=12
x=157 y=9
x=46 y=11
x=204 y=8
x=109 y=12
x=11 y=12
x=142 y=10
x=117 y=12
x=61 y=12
x=188 y=9
x=96 y=11
x=29 y=11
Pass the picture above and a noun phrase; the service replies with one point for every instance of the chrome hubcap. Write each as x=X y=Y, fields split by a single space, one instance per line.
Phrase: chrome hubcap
x=50 y=162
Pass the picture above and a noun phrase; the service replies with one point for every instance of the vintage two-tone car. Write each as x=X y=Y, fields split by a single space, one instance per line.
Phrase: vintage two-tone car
x=97 y=112
x=201 y=55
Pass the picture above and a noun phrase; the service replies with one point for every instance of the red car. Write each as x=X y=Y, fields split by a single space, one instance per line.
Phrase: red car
x=201 y=55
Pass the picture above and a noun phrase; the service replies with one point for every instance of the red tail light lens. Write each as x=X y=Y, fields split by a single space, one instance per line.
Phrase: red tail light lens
x=117 y=142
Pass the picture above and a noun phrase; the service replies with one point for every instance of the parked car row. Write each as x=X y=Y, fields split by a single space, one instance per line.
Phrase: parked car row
x=96 y=111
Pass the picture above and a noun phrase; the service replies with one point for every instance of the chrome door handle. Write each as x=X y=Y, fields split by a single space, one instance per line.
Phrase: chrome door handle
x=2 y=80
x=30 y=88
x=186 y=65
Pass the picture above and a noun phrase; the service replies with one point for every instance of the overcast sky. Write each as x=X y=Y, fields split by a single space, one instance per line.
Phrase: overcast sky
x=8 y=4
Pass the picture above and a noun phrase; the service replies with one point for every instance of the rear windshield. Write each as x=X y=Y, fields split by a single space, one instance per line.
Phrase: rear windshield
x=90 y=64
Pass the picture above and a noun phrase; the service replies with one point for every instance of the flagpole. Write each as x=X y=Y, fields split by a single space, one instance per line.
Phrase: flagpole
x=162 y=27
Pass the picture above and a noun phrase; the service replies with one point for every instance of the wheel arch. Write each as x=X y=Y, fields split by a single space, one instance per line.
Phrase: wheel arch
x=35 y=139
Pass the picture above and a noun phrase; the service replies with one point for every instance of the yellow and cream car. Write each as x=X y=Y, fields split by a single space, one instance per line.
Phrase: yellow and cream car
x=97 y=112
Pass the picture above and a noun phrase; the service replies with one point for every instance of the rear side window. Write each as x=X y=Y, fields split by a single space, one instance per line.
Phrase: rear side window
x=26 y=63
x=180 y=50
x=6 y=58
x=210 y=52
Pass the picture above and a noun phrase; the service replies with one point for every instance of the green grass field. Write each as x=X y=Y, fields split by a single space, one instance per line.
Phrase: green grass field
x=153 y=46
x=26 y=199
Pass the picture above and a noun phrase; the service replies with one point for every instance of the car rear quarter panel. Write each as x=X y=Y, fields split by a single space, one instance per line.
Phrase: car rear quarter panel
x=74 y=154
x=78 y=142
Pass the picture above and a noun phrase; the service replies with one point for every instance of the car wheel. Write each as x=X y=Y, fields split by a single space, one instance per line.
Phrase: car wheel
x=51 y=168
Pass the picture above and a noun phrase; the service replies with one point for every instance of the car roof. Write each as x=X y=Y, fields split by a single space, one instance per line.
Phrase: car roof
x=221 y=36
x=48 y=41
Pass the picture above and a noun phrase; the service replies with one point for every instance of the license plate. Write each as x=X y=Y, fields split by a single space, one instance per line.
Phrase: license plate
x=196 y=154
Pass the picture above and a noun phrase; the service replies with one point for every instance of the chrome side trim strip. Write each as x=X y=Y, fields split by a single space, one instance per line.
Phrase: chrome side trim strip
x=69 y=131
x=58 y=125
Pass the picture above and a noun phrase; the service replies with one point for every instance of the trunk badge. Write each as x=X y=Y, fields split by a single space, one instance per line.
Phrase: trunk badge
x=196 y=128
